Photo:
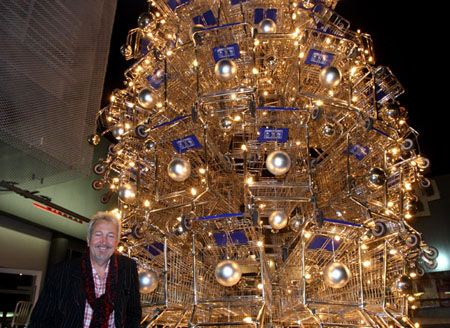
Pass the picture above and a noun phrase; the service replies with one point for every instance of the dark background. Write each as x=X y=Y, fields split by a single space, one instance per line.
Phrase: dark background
x=408 y=37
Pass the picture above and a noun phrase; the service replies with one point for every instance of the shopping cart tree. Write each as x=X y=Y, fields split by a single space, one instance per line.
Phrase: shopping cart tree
x=264 y=168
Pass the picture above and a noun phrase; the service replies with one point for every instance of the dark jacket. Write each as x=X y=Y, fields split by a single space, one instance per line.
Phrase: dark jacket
x=63 y=299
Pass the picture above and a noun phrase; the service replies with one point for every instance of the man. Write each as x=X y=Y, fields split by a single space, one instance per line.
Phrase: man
x=99 y=290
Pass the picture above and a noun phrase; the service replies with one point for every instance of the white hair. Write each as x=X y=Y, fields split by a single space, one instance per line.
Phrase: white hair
x=104 y=216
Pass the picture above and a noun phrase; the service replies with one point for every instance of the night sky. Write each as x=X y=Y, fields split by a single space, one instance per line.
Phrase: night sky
x=407 y=38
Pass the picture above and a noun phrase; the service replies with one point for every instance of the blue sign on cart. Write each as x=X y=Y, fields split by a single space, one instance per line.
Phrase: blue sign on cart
x=173 y=4
x=273 y=134
x=184 y=144
x=320 y=58
x=358 y=151
x=157 y=78
x=230 y=51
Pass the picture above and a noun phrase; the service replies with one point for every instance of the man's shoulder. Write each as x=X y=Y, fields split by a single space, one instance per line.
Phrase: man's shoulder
x=69 y=264
x=64 y=270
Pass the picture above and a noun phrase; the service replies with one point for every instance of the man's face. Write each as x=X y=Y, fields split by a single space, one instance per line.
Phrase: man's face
x=103 y=241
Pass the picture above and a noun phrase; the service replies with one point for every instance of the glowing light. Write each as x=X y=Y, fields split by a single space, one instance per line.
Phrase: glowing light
x=443 y=262
x=247 y=320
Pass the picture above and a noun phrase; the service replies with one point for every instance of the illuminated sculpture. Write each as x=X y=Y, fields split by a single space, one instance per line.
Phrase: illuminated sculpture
x=266 y=107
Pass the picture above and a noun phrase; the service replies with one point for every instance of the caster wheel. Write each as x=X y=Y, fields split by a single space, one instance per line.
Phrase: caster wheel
x=141 y=132
x=429 y=264
x=186 y=223
x=316 y=114
x=423 y=163
x=158 y=55
x=252 y=108
x=430 y=252
x=99 y=169
x=111 y=149
x=137 y=232
x=194 y=114
x=380 y=229
x=97 y=184
x=419 y=270
x=105 y=198
x=424 y=182
x=368 y=124
x=413 y=240
x=407 y=144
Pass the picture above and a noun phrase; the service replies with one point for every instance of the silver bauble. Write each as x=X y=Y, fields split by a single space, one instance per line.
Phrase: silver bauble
x=225 y=69
x=403 y=285
x=336 y=275
x=228 y=273
x=278 y=162
x=226 y=123
x=271 y=62
x=148 y=281
x=144 y=19
x=376 y=178
x=296 y=222
x=126 y=192
x=178 y=229
x=126 y=50
x=328 y=130
x=330 y=77
x=278 y=220
x=179 y=169
x=391 y=111
x=118 y=130
x=146 y=98
x=93 y=139
x=267 y=26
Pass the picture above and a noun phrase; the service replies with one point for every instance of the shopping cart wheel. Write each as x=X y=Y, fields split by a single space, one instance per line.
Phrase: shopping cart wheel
x=159 y=56
x=186 y=223
x=137 y=232
x=380 y=229
x=407 y=144
x=284 y=253
x=99 y=168
x=423 y=163
x=111 y=149
x=141 y=131
x=430 y=252
x=429 y=264
x=424 y=182
x=368 y=124
x=316 y=113
x=413 y=240
x=194 y=114
x=255 y=218
x=419 y=270
x=97 y=184
x=105 y=198
x=318 y=217
x=252 y=108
